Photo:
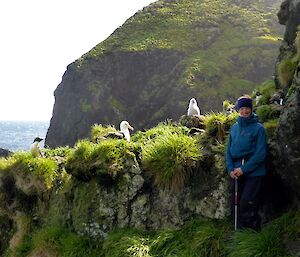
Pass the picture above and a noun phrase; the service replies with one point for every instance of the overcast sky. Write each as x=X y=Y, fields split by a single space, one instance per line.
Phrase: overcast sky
x=39 y=38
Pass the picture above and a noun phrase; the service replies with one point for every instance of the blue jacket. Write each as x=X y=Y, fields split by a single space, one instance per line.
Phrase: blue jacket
x=248 y=141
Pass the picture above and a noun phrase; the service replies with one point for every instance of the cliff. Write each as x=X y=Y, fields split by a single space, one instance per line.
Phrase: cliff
x=285 y=145
x=149 y=68
x=165 y=193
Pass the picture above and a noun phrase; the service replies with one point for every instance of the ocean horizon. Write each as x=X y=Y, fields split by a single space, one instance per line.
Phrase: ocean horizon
x=18 y=135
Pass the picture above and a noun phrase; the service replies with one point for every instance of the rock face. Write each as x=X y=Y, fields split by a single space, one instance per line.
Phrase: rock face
x=288 y=15
x=149 y=68
x=285 y=147
x=97 y=206
x=94 y=209
x=120 y=86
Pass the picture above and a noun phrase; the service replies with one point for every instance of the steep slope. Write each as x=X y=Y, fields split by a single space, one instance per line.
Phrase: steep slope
x=285 y=147
x=147 y=70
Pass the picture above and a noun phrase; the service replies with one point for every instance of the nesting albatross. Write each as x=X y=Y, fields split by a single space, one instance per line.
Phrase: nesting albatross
x=124 y=127
x=124 y=131
x=193 y=108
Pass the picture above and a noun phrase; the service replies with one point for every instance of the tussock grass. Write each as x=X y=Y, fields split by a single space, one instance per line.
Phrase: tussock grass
x=170 y=159
x=127 y=243
x=57 y=240
x=59 y=151
x=267 y=89
x=23 y=162
x=271 y=241
x=217 y=125
x=250 y=244
x=41 y=167
x=98 y=131
x=267 y=112
x=286 y=69
x=109 y=157
x=160 y=130
x=200 y=237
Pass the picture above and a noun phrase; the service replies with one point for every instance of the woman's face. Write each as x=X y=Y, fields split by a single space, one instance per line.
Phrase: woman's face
x=245 y=112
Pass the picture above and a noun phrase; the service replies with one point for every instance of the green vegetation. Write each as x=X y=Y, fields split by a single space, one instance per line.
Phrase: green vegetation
x=270 y=127
x=217 y=125
x=108 y=158
x=170 y=159
x=167 y=24
x=270 y=241
x=56 y=152
x=286 y=69
x=224 y=44
x=267 y=112
x=58 y=242
x=198 y=238
x=161 y=129
x=169 y=154
x=22 y=162
x=98 y=131
x=267 y=89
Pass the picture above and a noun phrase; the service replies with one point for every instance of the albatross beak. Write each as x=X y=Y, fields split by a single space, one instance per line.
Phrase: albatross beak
x=131 y=128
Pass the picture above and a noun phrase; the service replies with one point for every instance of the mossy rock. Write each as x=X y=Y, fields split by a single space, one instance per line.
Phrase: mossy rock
x=194 y=121
x=268 y=112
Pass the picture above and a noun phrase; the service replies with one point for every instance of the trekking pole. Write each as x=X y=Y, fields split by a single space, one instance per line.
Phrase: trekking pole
x=236 y=200
x=235 y=203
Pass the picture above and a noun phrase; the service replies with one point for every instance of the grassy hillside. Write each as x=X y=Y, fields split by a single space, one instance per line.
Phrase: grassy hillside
x=165 y=54
x=224 y=42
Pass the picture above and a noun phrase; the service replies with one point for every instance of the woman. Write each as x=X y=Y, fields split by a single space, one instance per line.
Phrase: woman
x=245 y=160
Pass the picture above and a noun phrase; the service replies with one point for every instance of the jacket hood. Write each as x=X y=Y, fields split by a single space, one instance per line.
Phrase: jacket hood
x=243 y=121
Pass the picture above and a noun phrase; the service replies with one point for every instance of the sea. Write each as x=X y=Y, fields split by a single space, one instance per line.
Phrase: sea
x=18 y=135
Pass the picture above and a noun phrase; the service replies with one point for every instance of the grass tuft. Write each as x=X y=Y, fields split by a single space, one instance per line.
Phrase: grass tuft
x=217 y=125
x=267 y=112
x=286 y=69
x=98 y=131
x=267 y=89
x=108 y=158
x=170 y=159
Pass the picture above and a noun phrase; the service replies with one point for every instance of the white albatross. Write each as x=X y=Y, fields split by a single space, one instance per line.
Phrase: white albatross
x=34 y=147
x=193 y=108
x=124 y=127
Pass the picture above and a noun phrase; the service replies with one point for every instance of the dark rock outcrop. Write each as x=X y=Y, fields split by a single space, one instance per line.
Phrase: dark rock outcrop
x=288 y=15
x=119 y=86
x=285 y=146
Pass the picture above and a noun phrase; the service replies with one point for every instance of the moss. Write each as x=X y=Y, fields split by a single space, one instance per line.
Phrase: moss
x=267 y=89
x=84 y=196
x=270 y=127
x=116 y=104
x=267 y=112
x=286 y=70
x=85 y=106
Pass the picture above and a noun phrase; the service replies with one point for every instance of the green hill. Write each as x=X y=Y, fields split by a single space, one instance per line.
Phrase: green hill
x=170 y=51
